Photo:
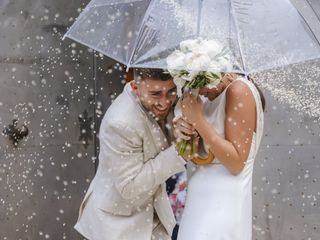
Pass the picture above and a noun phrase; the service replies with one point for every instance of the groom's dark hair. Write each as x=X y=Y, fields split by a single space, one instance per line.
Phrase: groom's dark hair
x=153 y=73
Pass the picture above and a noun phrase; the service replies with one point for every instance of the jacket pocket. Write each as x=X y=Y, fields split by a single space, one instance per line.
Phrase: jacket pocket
x=115 y=205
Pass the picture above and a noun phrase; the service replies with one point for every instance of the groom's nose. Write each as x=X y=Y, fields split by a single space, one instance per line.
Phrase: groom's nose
x=164 y=102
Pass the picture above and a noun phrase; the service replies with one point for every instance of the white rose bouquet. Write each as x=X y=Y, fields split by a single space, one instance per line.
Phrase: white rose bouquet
x=196 y=64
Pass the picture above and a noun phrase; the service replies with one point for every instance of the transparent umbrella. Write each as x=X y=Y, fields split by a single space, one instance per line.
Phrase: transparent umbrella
x=261 y=34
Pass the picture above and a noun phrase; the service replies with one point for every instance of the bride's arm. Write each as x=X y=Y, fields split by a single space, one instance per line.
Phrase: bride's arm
x=233 y=150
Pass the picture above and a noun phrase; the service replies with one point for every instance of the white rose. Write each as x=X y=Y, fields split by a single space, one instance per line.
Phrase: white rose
x=197 y=62
x=222 y=64
x=213 y=67
x=225 y=64
x=190 y=45
x=212 y=47
x=176 y=60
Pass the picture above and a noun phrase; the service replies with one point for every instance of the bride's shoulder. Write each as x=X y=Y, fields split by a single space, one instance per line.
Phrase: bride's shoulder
x=239 y=94
x=238 y=88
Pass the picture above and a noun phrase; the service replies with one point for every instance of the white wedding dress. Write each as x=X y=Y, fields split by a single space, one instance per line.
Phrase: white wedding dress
x=219 y=204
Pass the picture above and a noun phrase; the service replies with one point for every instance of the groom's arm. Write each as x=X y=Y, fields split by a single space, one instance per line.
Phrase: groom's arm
x=124 y=146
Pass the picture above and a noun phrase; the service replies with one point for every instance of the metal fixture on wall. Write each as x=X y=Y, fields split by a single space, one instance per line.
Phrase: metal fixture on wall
x=14 y=133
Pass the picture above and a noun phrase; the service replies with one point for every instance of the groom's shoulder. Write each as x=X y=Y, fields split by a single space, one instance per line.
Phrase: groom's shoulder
x=124 y=106
x=123 y=111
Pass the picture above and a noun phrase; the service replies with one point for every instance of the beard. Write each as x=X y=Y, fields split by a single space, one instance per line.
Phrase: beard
x=155 y=112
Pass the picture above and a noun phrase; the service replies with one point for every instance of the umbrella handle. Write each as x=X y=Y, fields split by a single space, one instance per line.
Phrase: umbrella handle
x=203 y=161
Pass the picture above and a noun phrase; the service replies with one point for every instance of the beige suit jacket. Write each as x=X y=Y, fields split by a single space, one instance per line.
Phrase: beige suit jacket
x=129 y=187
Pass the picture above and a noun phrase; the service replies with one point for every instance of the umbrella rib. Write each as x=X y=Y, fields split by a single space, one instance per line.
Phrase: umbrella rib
x=318 y=17
x=88 y=7
x=199 y=17
x=306 y=22
x=139 y=34
x=238 y=36
x=95 y=49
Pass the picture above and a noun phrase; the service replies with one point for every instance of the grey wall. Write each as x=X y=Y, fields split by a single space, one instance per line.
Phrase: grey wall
x=286 y=177
x=46 y=84
x=287 y=173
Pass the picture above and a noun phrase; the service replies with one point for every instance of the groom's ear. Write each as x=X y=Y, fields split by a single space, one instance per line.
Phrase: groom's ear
x=134 y=87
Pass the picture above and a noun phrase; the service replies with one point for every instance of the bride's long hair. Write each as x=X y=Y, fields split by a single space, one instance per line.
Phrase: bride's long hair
x=263 y=99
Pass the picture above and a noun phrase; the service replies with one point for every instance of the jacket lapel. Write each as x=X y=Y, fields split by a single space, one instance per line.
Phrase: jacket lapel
x=160 y=142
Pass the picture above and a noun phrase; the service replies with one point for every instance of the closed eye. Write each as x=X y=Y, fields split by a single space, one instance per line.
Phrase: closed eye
x=155 y=94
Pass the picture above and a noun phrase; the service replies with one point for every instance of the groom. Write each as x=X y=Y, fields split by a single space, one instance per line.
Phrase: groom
x=127 y=198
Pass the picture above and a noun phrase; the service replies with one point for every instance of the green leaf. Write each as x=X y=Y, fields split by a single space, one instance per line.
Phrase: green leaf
x=214 y=75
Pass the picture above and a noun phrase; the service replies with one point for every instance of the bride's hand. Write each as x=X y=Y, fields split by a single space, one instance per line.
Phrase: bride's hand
x=183 y=129
x=192 y=108
x=189 y=154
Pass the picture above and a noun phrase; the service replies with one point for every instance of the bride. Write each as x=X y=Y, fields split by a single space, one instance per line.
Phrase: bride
x=229 y=121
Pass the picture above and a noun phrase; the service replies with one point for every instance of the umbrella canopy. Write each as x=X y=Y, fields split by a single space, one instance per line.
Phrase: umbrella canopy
x=260 y=34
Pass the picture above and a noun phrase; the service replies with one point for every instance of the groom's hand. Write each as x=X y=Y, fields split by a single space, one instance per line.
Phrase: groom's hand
x=183 y=130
